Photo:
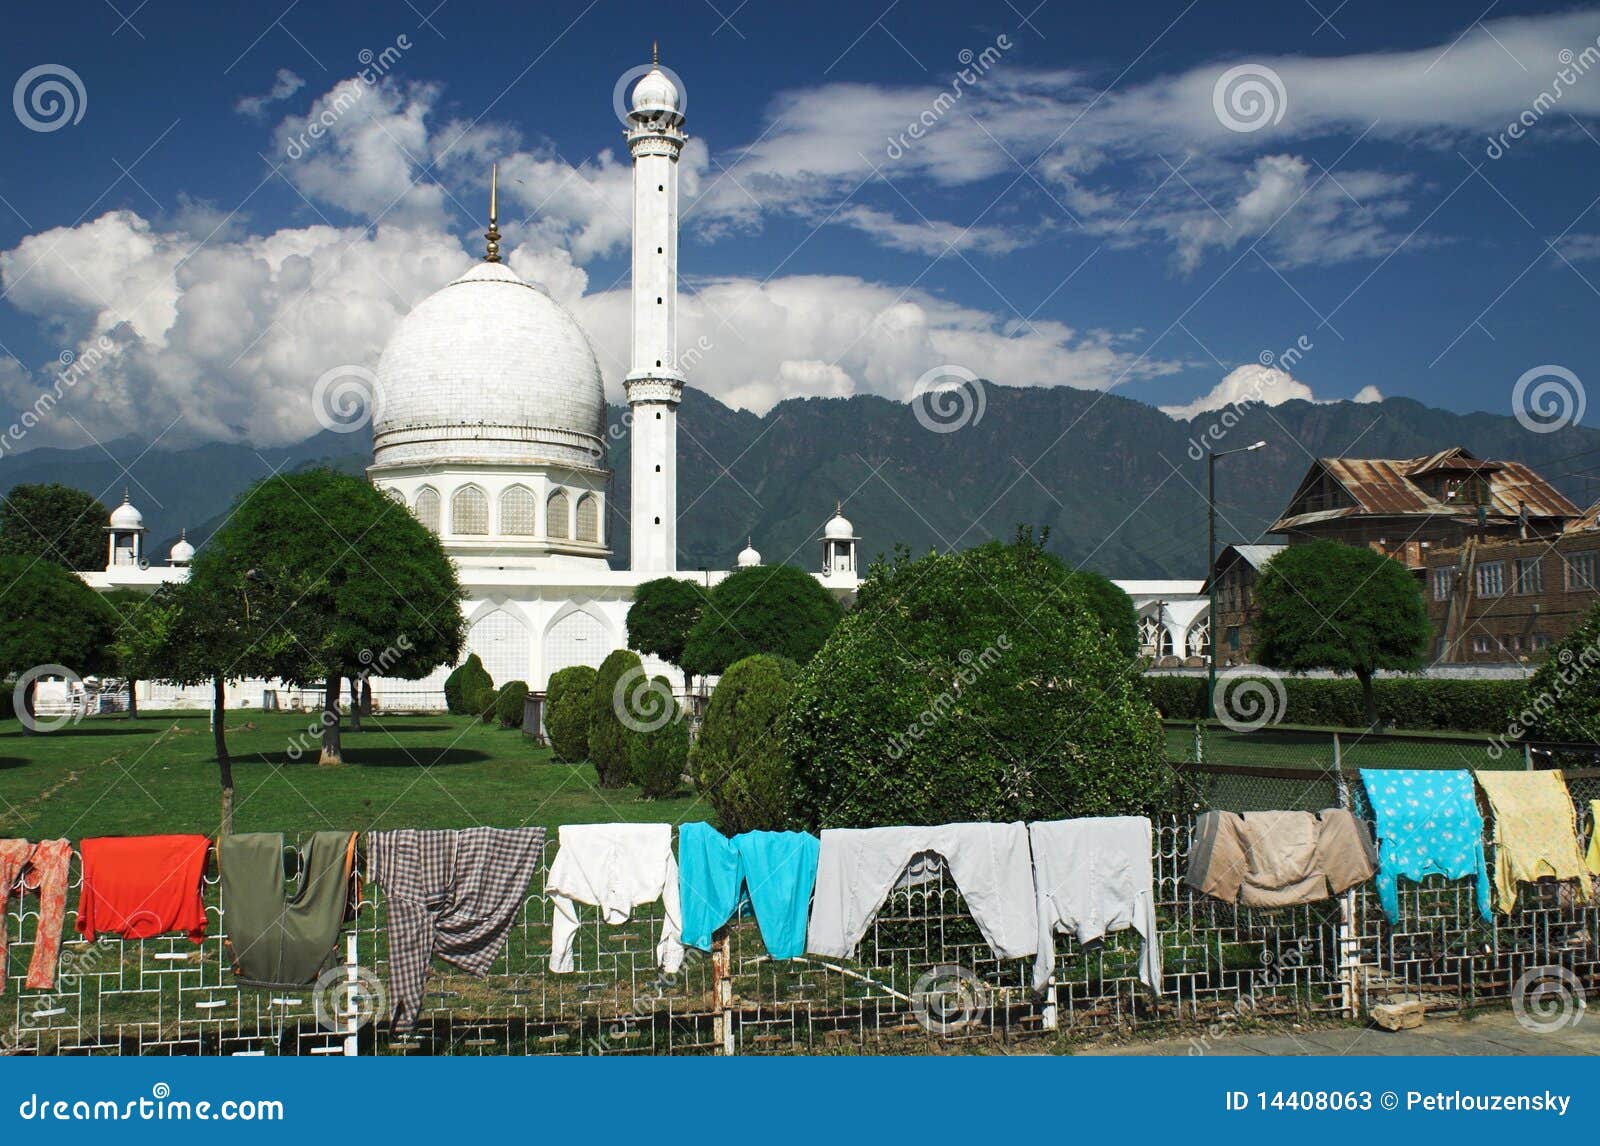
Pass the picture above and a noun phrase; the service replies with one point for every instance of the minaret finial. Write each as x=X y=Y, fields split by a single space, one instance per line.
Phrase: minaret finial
x=655 y=52
x=125 y=499
x=838 y=508
x=492 y=253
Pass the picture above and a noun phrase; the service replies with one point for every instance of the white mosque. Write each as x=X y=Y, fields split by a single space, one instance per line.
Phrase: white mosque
x=490 y=427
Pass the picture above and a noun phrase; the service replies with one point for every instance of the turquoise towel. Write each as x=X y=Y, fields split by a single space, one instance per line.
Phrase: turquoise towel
x=1428 y=824
x=772 y=872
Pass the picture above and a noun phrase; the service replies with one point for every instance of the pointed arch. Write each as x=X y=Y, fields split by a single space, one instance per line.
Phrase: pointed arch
x=426 y=507
x=575 y=636
x=518 y=511
x=588 y=518
x=469 y=511
x=556 y=514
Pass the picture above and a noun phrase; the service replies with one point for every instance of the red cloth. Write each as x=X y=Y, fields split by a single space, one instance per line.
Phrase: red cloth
x=143 y=886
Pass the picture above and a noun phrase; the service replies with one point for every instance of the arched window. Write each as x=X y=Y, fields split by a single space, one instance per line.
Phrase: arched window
x=517 y=511
x=1200 y=639
x=588 y=518
x=555 y=515
x=394 y=495
x=469 y=511
x=427 y=507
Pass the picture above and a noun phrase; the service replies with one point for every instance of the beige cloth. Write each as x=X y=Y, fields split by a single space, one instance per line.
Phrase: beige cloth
x=1535 y=832
x=1279 y=859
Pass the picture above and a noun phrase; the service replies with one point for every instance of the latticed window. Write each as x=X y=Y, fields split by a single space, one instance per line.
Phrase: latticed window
x=427 y=508
x=588 y=518
x=1491 y=579
x=1581 y=571
x=517 y=511
x=469 y=511
x=1444 y=582
x=556 y=512
x=1530 y=575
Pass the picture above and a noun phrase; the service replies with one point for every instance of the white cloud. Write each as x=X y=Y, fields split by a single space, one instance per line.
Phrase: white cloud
x=1252 y=383
x=284 y=85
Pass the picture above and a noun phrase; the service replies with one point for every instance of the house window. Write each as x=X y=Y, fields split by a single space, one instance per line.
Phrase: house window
x=1480 y=643
x=1541 y=641
x=1530 y=575
x=1581 y=572
x=1444 y=581
x=1491 y=581
x=1233 y=637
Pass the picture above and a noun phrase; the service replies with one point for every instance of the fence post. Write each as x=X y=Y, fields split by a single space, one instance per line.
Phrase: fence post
x=352 y=1014
x=1527 y=755
x=1350 y=954
x=722 y=991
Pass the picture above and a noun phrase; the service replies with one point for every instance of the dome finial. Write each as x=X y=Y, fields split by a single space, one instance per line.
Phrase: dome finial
x=838 y=508
x=655 y=52
x=492 y=252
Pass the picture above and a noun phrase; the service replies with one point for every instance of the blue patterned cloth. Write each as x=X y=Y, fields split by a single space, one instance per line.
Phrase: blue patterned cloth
x=1428 y=824
x=773 y=872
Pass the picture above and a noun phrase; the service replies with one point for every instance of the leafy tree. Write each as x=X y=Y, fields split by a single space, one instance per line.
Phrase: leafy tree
x=774 y=609
x=974 y=685
x=620 y=673
x=566 y=712
x=463 y=684
x=1344 y=608
x=661 y=616
x=131 y=607
x=48 y=616
x=658 y=752
x=56 y=522
x=739 y=762
x=1562 y=698
x=509 y=704
x=1112 y=607
x=369 y=583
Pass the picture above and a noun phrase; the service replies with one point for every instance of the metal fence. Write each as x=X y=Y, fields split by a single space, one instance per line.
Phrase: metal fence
x=1225 y=967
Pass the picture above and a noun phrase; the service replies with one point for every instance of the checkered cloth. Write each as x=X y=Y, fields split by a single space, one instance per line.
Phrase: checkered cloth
x=450 y=894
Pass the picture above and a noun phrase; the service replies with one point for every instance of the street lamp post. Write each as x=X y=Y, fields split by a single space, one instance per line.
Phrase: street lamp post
x=1211 y=568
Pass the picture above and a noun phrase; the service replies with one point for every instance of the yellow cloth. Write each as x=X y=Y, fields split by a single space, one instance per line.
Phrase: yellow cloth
x=1594 y=836
x=1535 y=832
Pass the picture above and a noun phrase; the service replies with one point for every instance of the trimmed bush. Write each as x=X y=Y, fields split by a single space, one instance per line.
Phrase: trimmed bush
x=481 y=702
x=566 y=712
x=974 y=685
x=1415 y=704
x=776 y=609
x=739 y=762
x=509 y=705
x=608 y=737
x=462 y=685
x=657 y=757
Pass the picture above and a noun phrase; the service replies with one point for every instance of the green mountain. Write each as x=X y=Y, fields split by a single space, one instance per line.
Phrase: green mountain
x=1119 y=484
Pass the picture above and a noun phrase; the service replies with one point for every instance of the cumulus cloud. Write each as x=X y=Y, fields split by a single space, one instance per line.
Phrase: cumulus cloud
x=283 y=86
x=1254 y=384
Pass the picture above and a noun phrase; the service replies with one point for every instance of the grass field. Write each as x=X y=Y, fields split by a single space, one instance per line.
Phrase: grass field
x=1281 y=747
x=157 y=774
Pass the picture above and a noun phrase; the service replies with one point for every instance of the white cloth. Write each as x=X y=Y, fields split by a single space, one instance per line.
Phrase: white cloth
x=1093 y=876
x=857 y=868
x=615 y=867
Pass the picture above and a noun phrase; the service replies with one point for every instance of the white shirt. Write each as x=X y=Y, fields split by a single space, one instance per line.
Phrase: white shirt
x=615 y=867
x=1093 y=876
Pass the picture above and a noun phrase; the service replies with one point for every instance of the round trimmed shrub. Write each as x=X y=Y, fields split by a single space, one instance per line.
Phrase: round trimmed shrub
x=566 y=712
x=739 y=762
x=608 y=736
x=481 y=702
x=975 y=685
x=509 y=705
x=776 y=609
x=462 y=685
x=657 y=756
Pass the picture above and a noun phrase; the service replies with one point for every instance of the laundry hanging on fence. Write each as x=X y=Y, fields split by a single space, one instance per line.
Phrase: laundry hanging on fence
x=1535 y=832
x=277 y=939
x=1428 y=824
x=615 y=867
x=42 y=868
x=143 y=886
x=1279 y=859
x=1093 y=876
x=1592 y=857
x=454 y=894
x=857 y=868
x=773 y=872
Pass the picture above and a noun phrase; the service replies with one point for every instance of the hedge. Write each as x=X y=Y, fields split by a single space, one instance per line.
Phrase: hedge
x=1417 y=704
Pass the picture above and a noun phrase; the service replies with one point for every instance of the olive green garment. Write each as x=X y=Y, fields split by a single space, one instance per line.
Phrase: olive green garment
x=282 y=936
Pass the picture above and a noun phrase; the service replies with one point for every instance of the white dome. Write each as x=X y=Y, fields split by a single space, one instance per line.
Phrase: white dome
x=839 y=529
x=126 y=517
x=489 y=369
x=748 y=555
x=655 y=92
x=182 y=553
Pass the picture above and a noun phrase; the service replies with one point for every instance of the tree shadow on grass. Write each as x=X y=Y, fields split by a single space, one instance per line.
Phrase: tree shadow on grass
x=420 y=757
x=13 y=762
x=396 y=726
x=72 y=733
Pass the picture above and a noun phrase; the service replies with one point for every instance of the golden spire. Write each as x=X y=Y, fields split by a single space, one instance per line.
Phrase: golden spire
x=655 y=53
x=492 y=254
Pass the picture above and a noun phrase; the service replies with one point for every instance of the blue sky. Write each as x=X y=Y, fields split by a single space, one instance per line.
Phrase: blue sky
x=1081 y=214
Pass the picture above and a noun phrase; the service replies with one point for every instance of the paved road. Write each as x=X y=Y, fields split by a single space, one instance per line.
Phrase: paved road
x=1492 y=1033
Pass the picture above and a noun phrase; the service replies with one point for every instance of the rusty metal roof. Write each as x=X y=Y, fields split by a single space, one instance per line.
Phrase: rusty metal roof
x=1386 y=487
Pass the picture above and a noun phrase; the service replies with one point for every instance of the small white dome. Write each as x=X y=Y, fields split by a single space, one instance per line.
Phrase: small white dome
x=839 y=528
x=126 y=517
x=748 y=556
x=182 y=553
x=655 y=92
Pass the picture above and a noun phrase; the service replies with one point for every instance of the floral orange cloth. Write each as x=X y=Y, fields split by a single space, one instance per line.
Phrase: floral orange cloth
x=42 y=868
x=1535 y=832
x=143 y=886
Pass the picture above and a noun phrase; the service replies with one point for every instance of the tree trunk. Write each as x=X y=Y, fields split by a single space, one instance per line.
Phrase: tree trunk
x=1369 y=701
x=133 y=699
x=355 y=705
x=366 y=697
x=219 y=736
x=331 y=752
x=27 y=713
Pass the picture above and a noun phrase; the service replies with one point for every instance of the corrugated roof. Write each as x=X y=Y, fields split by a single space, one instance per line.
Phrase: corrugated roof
x=1259 y=555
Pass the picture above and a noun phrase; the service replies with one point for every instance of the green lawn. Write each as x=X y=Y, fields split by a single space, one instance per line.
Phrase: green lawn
x=114 y=776
x=1284 y=747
